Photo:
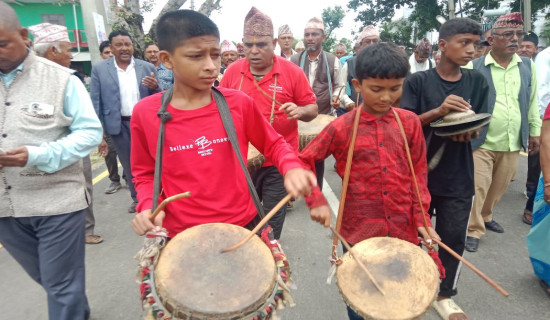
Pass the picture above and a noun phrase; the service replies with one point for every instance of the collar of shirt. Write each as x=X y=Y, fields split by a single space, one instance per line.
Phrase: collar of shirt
x=130 y=66
x=161 y=67
x=490 y=60
x=316 y=58
x=369 y=117
x=7 y=78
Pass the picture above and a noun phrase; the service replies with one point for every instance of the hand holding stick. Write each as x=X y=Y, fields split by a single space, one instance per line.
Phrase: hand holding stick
x=261 y=224
x=359 y=262
x=167 y=201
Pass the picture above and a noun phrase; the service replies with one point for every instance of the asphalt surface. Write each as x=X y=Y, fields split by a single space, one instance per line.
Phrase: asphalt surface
x=111 y=269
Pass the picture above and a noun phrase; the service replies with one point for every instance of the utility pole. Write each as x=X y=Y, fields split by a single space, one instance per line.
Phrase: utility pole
x=451 y=9
x=527 y=14
x=193 y=5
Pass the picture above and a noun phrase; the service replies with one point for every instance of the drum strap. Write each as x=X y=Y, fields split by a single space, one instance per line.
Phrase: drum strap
x=227 y=121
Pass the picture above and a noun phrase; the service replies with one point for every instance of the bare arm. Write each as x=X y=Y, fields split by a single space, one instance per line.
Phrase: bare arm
x=305 y=113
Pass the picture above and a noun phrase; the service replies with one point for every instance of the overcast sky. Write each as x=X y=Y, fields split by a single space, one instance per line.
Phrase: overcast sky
x=295 y=13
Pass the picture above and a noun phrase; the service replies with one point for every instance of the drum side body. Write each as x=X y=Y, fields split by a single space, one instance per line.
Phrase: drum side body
x=194 y=280
x=405 y=272
x=255 y=160
x=309 y=130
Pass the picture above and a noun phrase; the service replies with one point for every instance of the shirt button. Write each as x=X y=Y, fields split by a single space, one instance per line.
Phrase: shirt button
x=384 y=169
x=385 y=192
x=8 y=103
x=379 y=121
x=4 y=135
x=389 y=217
x=381 y=144
x=8 y=187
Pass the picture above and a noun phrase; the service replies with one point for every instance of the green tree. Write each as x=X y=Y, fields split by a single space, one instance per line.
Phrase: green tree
x=332 y=17
x=398 y=31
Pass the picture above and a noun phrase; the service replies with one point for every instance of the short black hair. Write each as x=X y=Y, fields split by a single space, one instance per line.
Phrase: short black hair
x=116 y=33
x=148 y=44
x=383 y=60
x=104 y=45
x=459 y=26
x=174 y=27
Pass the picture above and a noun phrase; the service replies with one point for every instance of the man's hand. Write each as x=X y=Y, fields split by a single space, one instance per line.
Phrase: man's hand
x=150 y=82
x=17 y=157
x=321 y=214
x=298 y=182
x=453 y=103
x=466 y=136
x=427 y=236
x=292 y=111
x=142 y=222
x=103 y=148
x=350 y=106
x=534 y=145
x=335 y=103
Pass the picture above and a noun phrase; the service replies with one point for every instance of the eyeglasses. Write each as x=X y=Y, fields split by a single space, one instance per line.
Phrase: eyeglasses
x=508 y=35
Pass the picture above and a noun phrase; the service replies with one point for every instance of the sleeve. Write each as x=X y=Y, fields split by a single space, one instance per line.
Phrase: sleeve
x=320 y=148
x=542 y=64
x=344 y=98
x=534 y=113
x=409 y=97
x=85 y=132
x=95 y=93
x=142 y=163
x=417 y=146
x=339 y=84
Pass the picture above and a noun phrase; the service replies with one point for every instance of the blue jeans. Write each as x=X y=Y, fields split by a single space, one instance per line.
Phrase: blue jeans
x=51 y=250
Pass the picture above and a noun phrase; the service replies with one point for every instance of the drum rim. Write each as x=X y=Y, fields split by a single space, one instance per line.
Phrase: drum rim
x=179 y=313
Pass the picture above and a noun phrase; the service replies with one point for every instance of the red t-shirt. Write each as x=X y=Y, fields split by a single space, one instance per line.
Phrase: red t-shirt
x=547 y=113
x=199 y=158
x=292 y=86
x=381 y=199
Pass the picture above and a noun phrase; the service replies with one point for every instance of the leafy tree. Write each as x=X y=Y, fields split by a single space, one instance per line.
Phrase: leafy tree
x=398 y=31
x=332 y=17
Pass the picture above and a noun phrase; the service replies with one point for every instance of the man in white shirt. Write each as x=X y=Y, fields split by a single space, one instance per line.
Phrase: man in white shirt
x=118 y=83
x=420 y=59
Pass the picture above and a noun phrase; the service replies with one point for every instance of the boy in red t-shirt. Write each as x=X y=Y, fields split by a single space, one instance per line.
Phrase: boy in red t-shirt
x=381 y=199
x=197 y=155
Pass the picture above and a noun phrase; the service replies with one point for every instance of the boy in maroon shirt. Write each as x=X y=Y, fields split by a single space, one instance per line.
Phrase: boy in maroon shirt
x=381 y=199
x=197 y=155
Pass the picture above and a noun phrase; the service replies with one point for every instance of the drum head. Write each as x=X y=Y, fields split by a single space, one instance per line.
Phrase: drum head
x=314 y=126
x=194 y=278
x=406 y=273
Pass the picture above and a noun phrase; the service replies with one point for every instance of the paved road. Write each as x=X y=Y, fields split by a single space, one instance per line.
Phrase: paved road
x=111 y=269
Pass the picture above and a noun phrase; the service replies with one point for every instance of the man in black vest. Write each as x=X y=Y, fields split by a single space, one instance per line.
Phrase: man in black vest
x=323 y=72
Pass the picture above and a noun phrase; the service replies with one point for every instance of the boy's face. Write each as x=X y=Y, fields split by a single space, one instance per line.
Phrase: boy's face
x=379 y=94
x=460 y=48
x=195 y=63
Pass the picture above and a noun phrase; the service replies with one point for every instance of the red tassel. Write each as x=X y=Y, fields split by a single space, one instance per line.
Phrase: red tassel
x=438 y=263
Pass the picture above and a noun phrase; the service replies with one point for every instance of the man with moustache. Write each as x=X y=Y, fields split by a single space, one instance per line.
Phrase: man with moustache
x=229 y=54
x=117 y=85
x=286 y=40
x=515 y=124
x=165 y=76
x=529 y=45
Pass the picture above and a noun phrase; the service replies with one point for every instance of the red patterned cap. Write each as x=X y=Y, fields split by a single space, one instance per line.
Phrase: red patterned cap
x=258 y=24
x=510 y=20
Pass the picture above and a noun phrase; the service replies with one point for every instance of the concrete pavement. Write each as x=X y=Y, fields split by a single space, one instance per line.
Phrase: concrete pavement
x=113 y=292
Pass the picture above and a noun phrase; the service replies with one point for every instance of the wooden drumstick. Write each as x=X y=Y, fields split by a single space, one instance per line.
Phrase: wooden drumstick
x=265 y=94
x=359 y=262
x=471 y=266
x=167 y=201
x=261 y=224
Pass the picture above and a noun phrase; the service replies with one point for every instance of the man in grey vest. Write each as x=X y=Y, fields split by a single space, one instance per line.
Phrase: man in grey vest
x=46 y=131
x=59 y=51
x=322 y=70
x=515 y=125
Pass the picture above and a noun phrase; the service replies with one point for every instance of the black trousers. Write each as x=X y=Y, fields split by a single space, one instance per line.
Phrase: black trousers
x=320 y=172
x=451 y=223
x=533 y=175
x=110 y=160
x=269 y=185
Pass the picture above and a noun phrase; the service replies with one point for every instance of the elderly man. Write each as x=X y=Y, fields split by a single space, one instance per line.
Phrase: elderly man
x=165 y=76
x=515 y=124
x=117 y=85
x=420 y=59
x=46 y=130
x=529 y=46
x=370 y=35
x=270 y=80
x=341 y=51
x=229 y=54
x=286 y=40
x=52 y=42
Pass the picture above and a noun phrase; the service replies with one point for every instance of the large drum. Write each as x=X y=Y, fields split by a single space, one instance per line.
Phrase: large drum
x=255 y=159
x=405 y=272
x=309 y=130
x=192 y=279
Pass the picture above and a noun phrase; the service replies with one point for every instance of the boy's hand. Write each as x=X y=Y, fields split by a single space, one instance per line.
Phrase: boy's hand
x=142 y=223
x=466 y=136
x=298 y=182
x=426 y=236
x=321 y=214
x=292 y=111
x=453 y=103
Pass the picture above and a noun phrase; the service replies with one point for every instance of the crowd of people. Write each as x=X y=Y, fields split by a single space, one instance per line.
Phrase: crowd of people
x=267 y=86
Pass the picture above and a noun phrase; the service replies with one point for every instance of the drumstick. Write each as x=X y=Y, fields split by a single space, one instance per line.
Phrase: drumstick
x=471 y=266
x=359 y=262
x=261 y=224
x=167 y=201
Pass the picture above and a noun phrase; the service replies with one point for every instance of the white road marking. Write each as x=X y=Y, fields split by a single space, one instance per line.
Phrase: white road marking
x=332 y=199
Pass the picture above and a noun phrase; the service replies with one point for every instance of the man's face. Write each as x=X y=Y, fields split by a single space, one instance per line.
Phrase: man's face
x=340 y=52
x=106 y=53
x=259 y=52
x=505 y=41
x=152 y=54
x=421 y=57
x=460 y=48
x=527 y=49
x=13 y=48
x=285 y=41
x=367 y=41
x=63 y=57
x=122 y=48
x=313 y=39
x=228 y=57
